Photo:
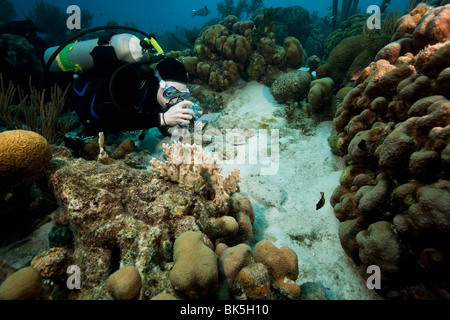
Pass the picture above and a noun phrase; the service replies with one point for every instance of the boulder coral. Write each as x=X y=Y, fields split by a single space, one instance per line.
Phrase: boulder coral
x=234 y=50
x=393 y=132
x=232 y=260
x=125 y=284
x=320 y=93
x=291 y=87
x=282 y=265
x=24 y=284
x=195 y=273
x=294 y=52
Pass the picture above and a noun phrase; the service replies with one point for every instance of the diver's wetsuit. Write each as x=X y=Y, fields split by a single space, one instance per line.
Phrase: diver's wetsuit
x=134 y=91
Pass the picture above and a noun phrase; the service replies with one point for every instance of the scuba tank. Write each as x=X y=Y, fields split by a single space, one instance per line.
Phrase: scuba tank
x=75 y=57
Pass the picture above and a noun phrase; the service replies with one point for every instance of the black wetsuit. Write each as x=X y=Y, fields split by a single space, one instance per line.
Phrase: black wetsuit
x=134 y=90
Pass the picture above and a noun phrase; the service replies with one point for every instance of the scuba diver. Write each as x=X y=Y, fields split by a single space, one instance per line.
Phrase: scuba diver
x=115 y=96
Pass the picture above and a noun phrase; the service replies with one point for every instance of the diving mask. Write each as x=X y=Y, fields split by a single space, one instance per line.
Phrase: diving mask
x=172 y=92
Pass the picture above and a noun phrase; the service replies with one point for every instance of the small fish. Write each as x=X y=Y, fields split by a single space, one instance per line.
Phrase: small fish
x=355 y=74
x=201 y=12
x=321 y=201
x=329 y=8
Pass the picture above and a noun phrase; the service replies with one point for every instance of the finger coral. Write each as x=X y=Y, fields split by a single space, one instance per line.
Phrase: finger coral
x=190 y=166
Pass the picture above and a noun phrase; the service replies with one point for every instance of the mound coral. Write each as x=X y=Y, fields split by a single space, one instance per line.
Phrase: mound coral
x=232 y=260
x=294 y=52
x=194 y=274
x=319 y=93
x=125 y=283
x=351 y=55
x=23 y=284
x=282 y=265
x=291 y=87
x=393 y=130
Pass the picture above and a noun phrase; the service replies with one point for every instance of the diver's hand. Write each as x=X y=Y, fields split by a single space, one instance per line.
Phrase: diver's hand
x=179 y=114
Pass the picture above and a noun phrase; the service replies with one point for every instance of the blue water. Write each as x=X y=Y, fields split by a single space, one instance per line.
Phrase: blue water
x=160 y=16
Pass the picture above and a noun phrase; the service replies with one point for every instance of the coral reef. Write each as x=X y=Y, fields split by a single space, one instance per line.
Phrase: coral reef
x=138 y=235
x=393 y=130
x=130 y=217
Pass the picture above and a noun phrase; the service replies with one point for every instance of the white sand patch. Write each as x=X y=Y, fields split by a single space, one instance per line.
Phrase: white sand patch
x=285 y=202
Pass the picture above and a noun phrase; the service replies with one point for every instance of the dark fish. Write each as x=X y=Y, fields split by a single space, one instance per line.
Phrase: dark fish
x=321 y=202
x=201 y=12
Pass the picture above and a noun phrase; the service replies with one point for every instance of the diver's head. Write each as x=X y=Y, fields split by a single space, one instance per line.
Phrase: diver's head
x=173 y=80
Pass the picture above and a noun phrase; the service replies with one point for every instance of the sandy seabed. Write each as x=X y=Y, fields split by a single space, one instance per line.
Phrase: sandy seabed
x=285 y=201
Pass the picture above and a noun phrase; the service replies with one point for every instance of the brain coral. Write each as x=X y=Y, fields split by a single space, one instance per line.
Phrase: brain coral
x=24 y=155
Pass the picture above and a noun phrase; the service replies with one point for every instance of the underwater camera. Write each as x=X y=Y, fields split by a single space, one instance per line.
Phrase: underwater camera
x=198 y=112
